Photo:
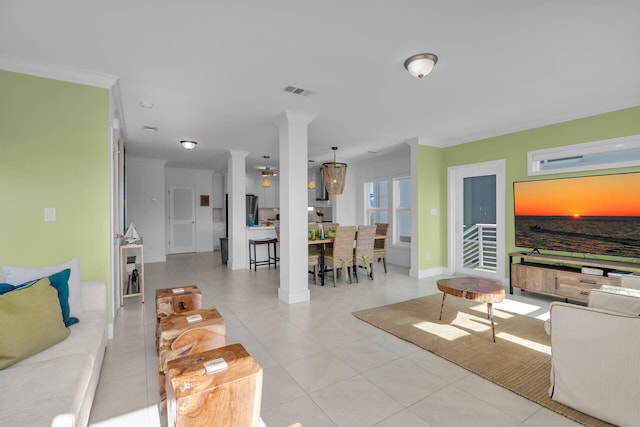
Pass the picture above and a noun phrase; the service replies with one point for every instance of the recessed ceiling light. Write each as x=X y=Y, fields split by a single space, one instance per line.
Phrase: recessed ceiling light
x=146 y=104
x=297 y=91
x=150 y=128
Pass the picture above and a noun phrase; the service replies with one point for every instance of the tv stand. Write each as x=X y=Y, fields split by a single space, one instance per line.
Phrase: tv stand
x=562 y=275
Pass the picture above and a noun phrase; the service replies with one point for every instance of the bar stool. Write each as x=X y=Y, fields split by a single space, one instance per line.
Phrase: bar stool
x=253 y=259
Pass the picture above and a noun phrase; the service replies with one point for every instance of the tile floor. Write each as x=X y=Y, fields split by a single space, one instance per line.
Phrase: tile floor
x=322 y=366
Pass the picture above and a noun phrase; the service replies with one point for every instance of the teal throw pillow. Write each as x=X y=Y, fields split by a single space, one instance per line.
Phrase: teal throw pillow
x=60 y=281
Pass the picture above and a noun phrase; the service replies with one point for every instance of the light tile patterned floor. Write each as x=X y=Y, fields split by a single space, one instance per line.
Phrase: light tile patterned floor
x=322 y=366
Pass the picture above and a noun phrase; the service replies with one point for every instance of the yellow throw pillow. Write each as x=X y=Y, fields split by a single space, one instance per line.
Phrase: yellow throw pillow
x=30 y=321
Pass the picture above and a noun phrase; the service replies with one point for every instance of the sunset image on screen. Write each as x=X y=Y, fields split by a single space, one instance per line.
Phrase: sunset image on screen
x=610 y=195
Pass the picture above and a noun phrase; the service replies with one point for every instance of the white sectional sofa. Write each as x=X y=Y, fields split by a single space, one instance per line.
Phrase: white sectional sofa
x=56 y=386
x=595 y=353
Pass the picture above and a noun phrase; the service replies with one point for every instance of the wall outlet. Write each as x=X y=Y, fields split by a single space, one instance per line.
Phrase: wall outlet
x=427 y=256
x=49 y=214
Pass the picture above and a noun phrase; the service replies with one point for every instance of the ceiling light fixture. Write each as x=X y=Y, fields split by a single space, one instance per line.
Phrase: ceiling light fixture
x=146 y=104
x=421 y=64
x=150 y=128
x=334 y=175
x=311 y=184
x=188 y=144
x=267 y=173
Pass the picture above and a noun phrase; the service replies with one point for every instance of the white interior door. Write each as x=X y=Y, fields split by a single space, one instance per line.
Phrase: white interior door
x=476 y=219
x=182 y=219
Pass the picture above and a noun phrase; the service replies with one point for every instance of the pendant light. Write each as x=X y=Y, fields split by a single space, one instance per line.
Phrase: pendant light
x=334 y=175
x=267 y=173
x=311 y=184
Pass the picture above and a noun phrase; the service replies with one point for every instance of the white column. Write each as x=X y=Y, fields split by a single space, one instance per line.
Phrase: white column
x=236 y=175
x=293 y=207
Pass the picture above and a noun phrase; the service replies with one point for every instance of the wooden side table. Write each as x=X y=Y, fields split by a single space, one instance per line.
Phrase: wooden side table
x=123 y=273
x=172 y=301
x=200 y=395
x=185 y=334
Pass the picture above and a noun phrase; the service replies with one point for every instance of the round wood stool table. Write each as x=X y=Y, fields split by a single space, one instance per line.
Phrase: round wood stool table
x=475 y=289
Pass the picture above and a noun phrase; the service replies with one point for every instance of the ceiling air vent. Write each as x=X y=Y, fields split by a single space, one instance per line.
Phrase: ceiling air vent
x=298 y=91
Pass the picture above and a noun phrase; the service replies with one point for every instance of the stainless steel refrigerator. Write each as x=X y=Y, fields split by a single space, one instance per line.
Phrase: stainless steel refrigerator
x=252 y=208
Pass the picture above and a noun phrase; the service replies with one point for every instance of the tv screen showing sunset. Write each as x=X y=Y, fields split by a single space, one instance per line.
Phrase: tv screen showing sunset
x=594 y=214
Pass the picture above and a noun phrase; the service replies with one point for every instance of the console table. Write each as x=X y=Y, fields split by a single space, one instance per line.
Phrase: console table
x=123 y=264
x=562 y=275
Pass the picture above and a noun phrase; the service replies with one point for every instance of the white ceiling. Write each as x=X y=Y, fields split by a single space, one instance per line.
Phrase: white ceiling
x=215 y=71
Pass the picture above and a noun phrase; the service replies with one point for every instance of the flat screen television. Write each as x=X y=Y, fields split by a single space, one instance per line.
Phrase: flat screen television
x=597 y=215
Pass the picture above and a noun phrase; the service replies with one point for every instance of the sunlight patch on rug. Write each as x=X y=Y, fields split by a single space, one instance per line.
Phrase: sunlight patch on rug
x=524 y=342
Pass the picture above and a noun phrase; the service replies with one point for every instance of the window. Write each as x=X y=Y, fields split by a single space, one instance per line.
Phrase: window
x=378 y=201
x=402 y=190
x=605 y=154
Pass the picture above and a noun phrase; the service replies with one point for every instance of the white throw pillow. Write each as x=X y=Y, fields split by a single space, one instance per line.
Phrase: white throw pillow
x=18 y=275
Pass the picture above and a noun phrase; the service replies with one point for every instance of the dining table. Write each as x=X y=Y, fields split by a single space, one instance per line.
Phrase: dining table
x=323 y=243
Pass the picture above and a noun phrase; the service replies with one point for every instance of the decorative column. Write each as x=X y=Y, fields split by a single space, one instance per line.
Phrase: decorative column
x=293 y=207
x=236 y=189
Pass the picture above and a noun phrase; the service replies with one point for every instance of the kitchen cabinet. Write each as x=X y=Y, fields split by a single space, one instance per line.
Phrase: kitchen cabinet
x=268 y=197
x=218 y=190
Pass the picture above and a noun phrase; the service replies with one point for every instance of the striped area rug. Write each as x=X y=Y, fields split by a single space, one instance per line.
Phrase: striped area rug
x=519 y=360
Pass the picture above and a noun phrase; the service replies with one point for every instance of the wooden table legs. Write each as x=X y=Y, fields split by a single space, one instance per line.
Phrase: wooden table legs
x=489 y=314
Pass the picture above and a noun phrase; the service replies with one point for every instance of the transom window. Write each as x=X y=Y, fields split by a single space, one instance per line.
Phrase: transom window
x=605 y=154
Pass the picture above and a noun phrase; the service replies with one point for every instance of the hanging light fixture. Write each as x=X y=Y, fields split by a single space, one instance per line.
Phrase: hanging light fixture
x=311 y=184
x=267 y=173
x=421 y=64
x=334 y=175
x=188 y=144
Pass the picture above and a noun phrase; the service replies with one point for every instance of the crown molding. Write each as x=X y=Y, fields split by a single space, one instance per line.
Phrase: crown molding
x=57 y=72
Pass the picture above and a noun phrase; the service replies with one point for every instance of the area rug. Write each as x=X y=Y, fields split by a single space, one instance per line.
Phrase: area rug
x=519 y=360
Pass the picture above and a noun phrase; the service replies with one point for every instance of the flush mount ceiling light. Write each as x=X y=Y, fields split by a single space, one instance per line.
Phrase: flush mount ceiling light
x=334 y=175
x=421 y=64
x=188 y=144
x=146 y=104
x=150 y=128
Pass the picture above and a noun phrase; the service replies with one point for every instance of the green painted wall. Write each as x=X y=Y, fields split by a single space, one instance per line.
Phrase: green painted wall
x=54 y=152
x=514 y=147
x=432 y=194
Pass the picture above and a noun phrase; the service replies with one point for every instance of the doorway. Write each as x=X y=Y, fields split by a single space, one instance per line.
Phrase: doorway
x=182 y=219
x=477 y=219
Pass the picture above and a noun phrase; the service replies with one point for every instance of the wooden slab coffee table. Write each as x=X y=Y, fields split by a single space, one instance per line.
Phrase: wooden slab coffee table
x=475 y=289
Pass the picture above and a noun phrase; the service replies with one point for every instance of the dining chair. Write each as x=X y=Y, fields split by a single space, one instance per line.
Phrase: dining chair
x=326 y=226
x=313 y=256
x=341 y=255
x=380 y=245
x=363 y=252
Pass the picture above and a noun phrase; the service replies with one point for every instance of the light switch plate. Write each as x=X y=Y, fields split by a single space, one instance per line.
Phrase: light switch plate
x=49 y=214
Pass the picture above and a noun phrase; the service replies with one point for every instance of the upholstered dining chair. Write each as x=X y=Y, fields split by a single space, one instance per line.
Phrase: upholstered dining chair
x=341 y=255
x=380 y=245
x=363 y=252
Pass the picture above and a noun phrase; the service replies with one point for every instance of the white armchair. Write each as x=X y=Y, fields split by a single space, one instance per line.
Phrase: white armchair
x=596 y=355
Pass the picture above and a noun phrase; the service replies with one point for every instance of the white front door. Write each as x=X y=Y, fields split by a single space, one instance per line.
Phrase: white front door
x=476 y=219
x=182 y=219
